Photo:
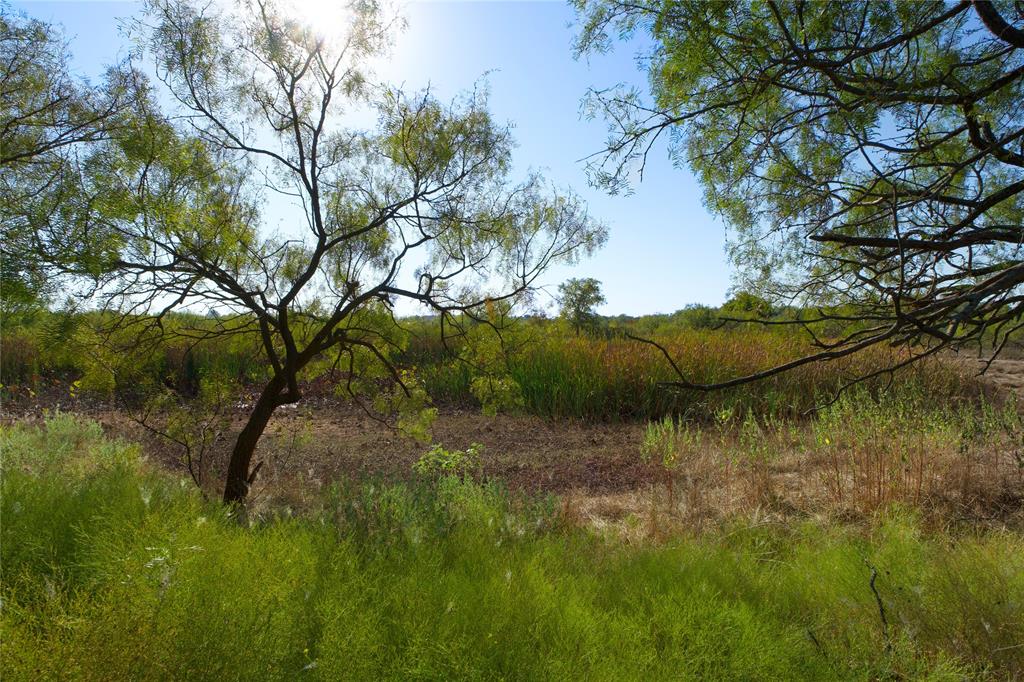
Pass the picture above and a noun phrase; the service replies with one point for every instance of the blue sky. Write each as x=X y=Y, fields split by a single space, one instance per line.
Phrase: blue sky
x=664 y=250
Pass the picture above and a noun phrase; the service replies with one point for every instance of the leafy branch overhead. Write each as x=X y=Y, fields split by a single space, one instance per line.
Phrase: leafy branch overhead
x=867 y=157
x=47 y=118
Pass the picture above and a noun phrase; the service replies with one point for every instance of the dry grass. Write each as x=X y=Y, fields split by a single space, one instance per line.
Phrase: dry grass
x=850 y=465
x=854 y=462
x=851 y=462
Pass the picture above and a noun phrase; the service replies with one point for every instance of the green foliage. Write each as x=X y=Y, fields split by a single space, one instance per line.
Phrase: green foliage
x=438 y=462
x=668 y=440
x=488 y=351
x=410 y=401
x=112 y=571
x=45 y=112
x=616 y=378
x=745 y=305
x=577 y=299
x=827 y=134
x=527 y=365
x=48 y=345
x=497 y=394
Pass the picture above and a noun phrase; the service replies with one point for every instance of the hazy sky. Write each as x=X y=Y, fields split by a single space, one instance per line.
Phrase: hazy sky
x=664 y=249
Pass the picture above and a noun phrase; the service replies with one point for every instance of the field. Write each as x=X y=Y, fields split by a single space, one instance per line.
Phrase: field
x=289 y=390
x=938 y=439
x=114 y=570
x=728 y=536
x=852 y=460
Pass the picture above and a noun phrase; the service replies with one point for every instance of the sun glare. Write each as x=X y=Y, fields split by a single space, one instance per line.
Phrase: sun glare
x=328 y=18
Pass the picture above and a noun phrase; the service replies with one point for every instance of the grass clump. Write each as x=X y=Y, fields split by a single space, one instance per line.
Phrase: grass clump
x=114 y=571
x=620 y=379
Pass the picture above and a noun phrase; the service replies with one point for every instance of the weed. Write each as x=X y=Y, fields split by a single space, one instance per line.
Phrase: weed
x=438 y=462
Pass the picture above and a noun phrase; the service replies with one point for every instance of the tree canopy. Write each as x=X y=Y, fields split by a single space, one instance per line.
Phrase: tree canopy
x=421 y=206
x=47 y=119
x=577 y=298
x=867 y=156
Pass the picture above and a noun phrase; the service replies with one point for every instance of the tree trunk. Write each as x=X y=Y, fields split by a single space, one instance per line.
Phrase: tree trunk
x=237 y=486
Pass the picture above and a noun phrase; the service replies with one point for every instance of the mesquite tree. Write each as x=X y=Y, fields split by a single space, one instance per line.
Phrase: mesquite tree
x=577 y=299
x=867 y=156
x=421 y=207
x=47 y=117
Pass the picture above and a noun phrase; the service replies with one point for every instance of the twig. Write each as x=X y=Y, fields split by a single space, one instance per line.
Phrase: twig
x=881 y=607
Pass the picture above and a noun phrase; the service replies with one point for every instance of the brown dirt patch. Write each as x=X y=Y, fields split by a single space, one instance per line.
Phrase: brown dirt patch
x=596 y=468
x=326 y=441
x=527 y=453
x=1008 y=374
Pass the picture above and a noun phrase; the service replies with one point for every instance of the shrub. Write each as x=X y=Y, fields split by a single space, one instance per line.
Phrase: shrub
x=438 y=462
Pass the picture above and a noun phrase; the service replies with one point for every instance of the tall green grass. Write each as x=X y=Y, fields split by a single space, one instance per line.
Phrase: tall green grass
x=621 y=379
x=556 y=373
x=112 y=570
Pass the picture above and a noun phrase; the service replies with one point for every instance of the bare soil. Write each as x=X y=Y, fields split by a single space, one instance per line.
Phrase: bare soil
x=1008 y=374
x=324 y=439
x=337 y=442
x=595 y=468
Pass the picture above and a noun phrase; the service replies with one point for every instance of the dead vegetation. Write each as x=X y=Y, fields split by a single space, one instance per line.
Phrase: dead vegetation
x=951 y=464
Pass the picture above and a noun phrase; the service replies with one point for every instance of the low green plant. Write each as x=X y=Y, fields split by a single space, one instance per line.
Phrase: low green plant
x=439 y=462
x=668 y=442
x=497 y=394
x=114 y=570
